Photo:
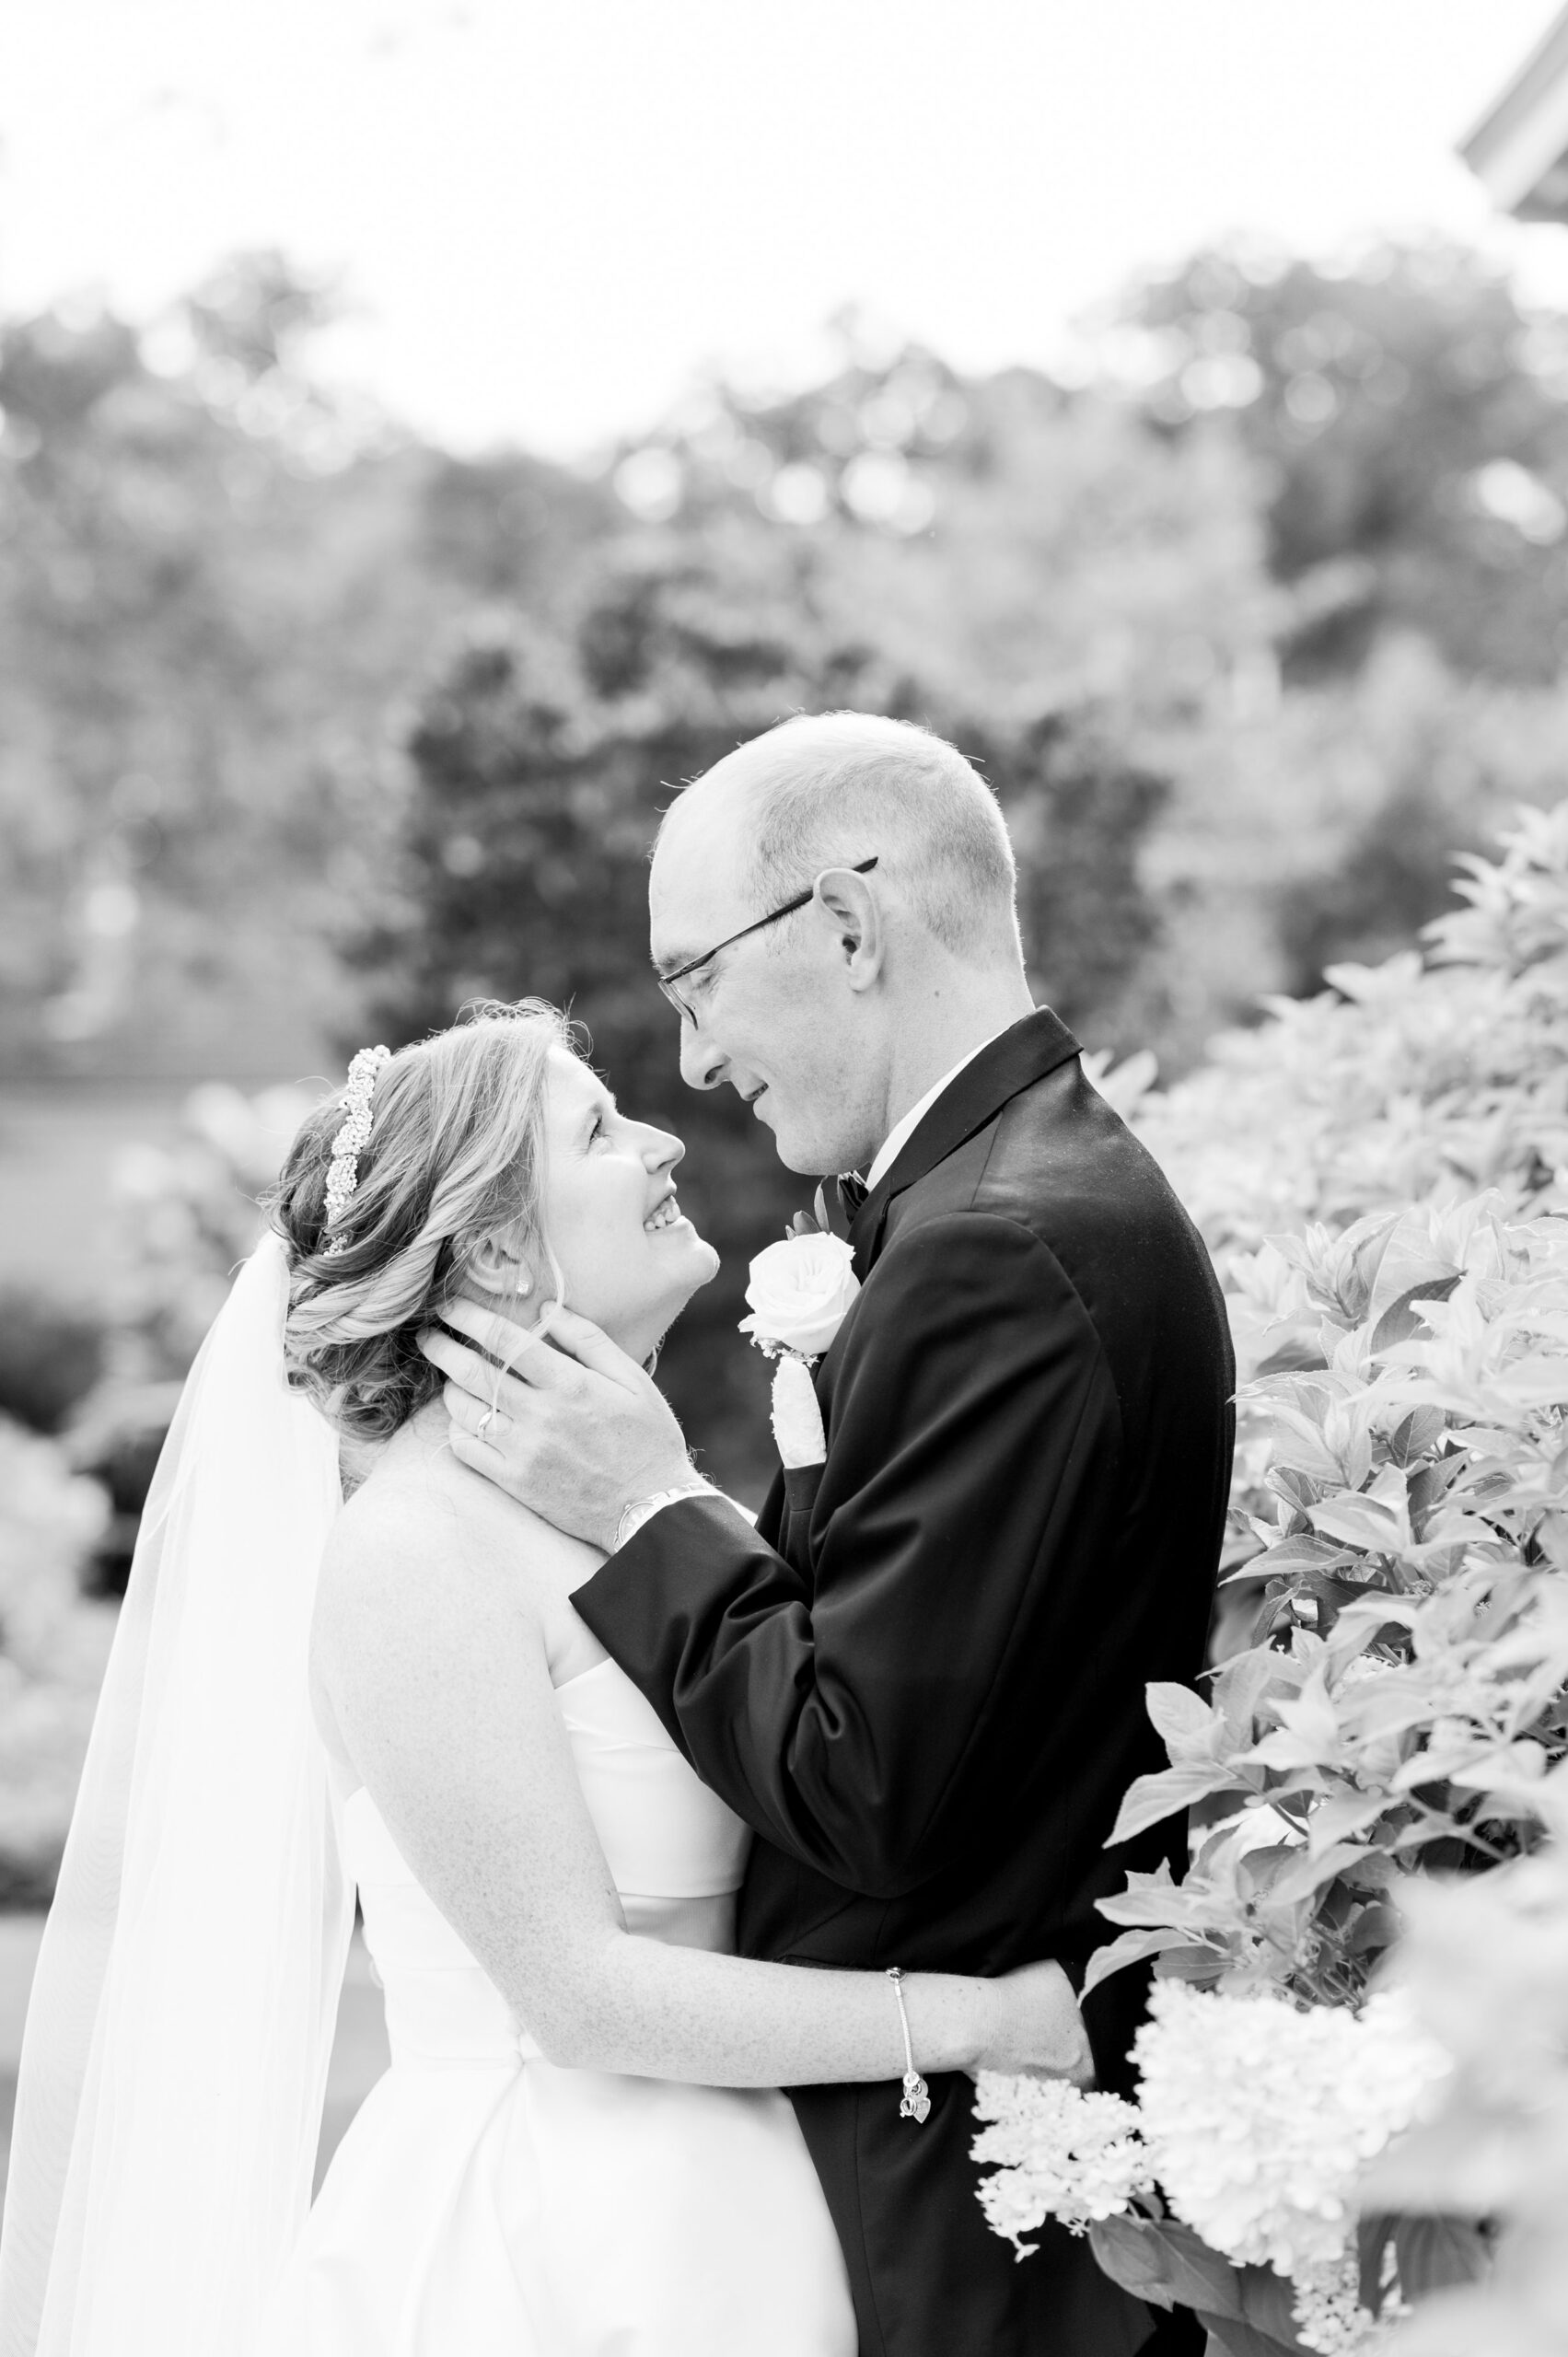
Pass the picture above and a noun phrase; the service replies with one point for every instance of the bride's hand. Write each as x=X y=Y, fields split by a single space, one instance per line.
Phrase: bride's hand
x=1036 y=2026
x=574 y=1430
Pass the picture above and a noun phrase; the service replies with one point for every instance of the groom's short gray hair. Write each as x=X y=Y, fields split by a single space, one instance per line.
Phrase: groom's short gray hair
x=832 y=788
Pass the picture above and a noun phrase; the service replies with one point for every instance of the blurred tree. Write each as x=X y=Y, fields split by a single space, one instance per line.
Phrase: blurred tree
x=512 y=528
x=1414 y=420
x=257 y=314
x=50 y=1355
x=1079 y=811
x=1013 y=543
x=540 y=764
x=216 y=578
x=1322 y=619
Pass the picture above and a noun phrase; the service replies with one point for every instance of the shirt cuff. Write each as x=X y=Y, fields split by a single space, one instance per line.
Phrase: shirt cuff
x=643 y=1510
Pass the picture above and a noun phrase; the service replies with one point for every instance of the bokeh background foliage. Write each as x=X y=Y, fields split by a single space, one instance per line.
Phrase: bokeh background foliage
x=1254 y=618
x=1293 y=552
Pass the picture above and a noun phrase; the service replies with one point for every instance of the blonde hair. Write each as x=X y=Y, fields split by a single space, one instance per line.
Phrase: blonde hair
x=455 y=1149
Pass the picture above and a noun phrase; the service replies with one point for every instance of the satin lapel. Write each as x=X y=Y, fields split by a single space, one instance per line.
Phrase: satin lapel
x=1034 y=1046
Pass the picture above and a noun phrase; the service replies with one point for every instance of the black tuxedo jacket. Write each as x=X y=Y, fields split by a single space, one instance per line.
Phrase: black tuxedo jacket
x=921 y=1677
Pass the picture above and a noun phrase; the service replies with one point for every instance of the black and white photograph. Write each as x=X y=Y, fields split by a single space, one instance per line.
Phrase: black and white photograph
x=784 y=1179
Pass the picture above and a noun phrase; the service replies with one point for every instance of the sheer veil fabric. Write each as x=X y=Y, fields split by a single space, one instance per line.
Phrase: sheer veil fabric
x=174 y=2064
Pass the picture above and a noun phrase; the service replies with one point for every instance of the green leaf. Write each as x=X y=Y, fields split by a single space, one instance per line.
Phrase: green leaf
x=1267 y=2301
x=1435 y=2253
x=1202 y=1966
x=1240 y=1686
x=1312 y=1873
x=1148 y=1898
x=1378 y=1926
x=1167 y=2263
x=1304 y=1552
x=1302 y=1446
x=1402 y=1320
x=1362 y=1522
x=1147 y=1901
x=1374 y=2233
x=1232 y=2338
x=1258 y=1870
x=1335 y=1820
x=1182 y=1720
x=1130 y=1947
x=1308 y=1735
x=1418 y=1432
x=1150 y=1799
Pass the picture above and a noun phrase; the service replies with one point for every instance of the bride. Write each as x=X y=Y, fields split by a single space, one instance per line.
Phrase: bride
x=580 y=2149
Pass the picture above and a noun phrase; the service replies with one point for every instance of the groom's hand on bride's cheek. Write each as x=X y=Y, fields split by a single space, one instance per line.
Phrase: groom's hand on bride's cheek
x=571 y=1427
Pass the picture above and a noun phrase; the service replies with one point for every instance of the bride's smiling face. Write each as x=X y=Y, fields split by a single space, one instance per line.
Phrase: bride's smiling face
x=629 y=1259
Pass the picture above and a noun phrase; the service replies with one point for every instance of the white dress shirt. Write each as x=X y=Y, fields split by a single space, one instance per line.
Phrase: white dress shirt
x=898 y=1136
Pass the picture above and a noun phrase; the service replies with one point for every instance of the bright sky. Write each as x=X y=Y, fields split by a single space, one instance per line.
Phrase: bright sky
x=554 y=214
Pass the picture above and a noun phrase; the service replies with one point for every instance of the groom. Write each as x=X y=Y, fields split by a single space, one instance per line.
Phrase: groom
x=923 y=1687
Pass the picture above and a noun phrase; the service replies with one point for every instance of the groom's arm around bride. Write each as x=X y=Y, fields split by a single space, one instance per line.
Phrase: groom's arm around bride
x=925 y=1687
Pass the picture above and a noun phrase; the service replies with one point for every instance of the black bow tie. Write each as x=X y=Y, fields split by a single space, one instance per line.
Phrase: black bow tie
x=837 y=1205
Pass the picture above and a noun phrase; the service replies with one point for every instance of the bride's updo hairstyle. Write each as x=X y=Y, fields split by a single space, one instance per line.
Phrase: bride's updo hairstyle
x=455 y=1149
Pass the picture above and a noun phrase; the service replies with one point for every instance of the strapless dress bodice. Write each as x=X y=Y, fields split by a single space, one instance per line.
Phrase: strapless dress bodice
x=675 y=1854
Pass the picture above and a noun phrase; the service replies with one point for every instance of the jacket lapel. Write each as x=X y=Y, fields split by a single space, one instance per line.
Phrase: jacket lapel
x=1023 y=1055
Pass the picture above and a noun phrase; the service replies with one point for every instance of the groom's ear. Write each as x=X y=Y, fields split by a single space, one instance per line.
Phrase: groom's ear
x=848 y=904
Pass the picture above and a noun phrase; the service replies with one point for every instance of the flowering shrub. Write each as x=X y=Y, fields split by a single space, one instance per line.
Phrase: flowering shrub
x=1259 y=2117
x=1485 y=1964
x=184 y=1217
x=1059 y=2154
x=1256 y=2120
x=52 y=1650
x=1414 y=1081
x=1390 y=1696
x=1401 y=1490
x=1407 y=1698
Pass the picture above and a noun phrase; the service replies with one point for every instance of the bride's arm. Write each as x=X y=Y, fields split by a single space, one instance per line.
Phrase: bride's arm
x=435 y=1669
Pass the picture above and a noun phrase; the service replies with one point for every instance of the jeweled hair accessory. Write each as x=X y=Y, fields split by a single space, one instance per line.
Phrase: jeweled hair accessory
x=351 y=1139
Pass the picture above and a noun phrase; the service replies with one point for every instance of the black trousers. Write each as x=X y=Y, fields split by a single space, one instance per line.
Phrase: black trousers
x=929 y=2277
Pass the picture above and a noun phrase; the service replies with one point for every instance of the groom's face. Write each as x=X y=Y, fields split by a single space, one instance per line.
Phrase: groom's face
x=771 y=1016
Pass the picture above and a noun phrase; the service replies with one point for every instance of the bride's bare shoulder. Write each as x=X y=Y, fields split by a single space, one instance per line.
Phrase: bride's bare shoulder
x=423 y=1530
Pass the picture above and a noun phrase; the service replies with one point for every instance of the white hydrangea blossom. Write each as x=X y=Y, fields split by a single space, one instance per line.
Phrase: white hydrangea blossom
x=1328 y=2311
x=1258 y=2117
x=1255 y=2121
x=1059 y=2154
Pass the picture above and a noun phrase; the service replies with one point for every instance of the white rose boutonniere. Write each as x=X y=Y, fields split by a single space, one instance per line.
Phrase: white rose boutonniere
x=798 y=1295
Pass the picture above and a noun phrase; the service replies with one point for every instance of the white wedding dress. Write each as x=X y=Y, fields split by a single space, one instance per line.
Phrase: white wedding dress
x=487 y=2203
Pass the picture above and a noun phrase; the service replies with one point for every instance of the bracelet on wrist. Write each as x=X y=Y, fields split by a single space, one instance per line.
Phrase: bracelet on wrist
x=916 y=2103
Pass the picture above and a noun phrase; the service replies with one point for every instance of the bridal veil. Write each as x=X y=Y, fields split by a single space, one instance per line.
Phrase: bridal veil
x=174 y=2064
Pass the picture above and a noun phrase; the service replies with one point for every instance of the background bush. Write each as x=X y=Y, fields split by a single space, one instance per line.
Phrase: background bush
x=1400 y=1504
x=53 y=1649
x=1291 y=542
x=50 y=1355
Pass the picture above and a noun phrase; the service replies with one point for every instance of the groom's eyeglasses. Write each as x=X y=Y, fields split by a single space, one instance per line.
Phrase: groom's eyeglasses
x=667 y=981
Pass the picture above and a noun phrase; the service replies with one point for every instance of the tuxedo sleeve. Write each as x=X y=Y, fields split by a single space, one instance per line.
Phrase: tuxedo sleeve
x=972 y=1471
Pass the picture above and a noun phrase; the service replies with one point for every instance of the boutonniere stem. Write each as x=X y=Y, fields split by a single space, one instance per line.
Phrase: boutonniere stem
x=800 y=1294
